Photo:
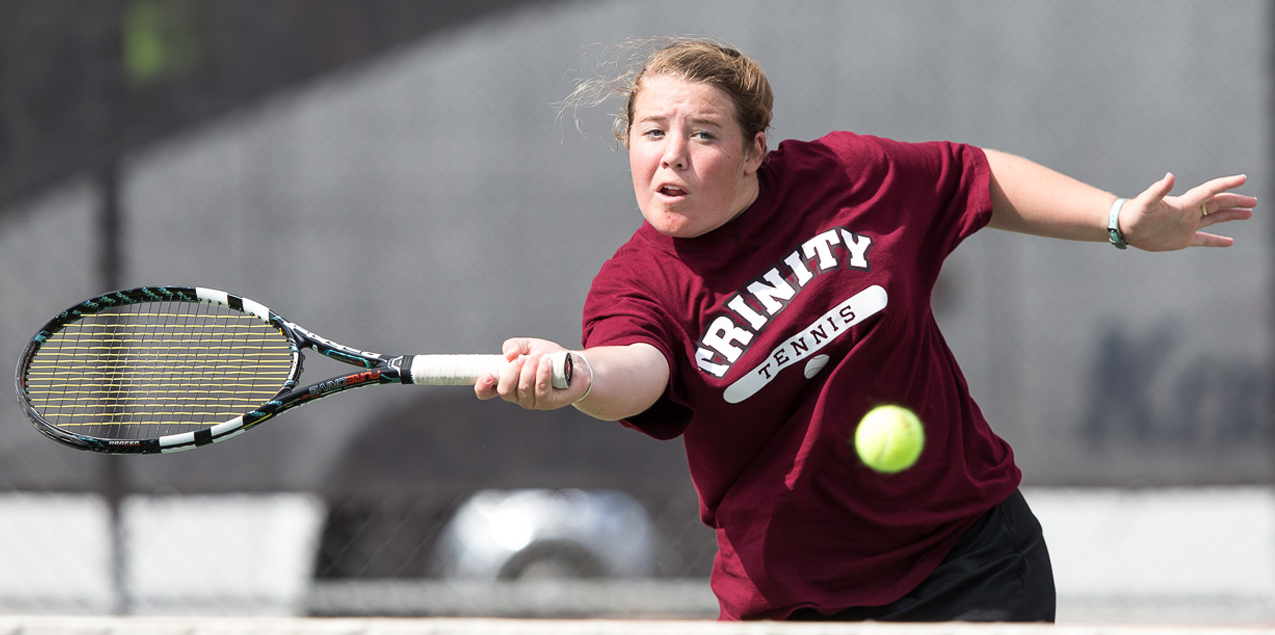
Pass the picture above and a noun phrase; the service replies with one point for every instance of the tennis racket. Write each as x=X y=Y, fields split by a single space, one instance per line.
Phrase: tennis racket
x=163 y=369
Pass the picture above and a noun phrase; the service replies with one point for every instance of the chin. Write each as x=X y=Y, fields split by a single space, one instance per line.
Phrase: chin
x=673 y=225
x=676 y=230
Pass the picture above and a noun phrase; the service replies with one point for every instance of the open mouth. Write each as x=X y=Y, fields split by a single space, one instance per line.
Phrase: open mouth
x=672 y=191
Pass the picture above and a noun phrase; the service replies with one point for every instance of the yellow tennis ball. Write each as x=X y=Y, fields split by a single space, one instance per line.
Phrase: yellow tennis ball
x=889 y=439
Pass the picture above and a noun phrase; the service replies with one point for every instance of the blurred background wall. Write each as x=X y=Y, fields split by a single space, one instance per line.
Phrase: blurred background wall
x=397 y=175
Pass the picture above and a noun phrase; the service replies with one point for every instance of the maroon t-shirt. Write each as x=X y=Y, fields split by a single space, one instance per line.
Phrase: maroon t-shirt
x=781 y=329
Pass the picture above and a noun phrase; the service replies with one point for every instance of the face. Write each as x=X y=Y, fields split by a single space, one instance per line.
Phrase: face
x=692 y=171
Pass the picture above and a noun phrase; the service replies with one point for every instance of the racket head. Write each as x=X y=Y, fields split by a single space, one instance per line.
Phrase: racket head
x=156 y=369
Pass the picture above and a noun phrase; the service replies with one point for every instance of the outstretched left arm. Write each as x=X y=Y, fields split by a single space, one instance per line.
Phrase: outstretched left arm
x=1030 y=198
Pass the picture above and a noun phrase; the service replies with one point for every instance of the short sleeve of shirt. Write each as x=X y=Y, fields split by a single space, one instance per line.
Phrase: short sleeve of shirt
x=624 y=307
x=950 y=179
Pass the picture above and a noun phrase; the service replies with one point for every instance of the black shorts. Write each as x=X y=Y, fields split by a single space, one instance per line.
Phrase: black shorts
x=999 y=571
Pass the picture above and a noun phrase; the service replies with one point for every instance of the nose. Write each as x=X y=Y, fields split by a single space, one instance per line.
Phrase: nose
x=675 y=156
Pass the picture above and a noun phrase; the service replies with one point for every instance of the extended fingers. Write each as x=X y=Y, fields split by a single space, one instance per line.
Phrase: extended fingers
x=1222 y=184
x=1225 y=214
x=1203 y=239
x=1220 y=205
x=1158 y=190
x=1216 y=194
x=1228 y=201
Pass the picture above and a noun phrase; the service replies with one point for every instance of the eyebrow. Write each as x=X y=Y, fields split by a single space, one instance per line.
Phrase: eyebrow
x=703 y=121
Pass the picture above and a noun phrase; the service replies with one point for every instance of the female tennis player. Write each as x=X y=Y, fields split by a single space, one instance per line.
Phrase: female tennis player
x=772 y=298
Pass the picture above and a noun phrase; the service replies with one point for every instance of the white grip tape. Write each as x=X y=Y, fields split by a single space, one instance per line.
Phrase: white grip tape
x=461 y=370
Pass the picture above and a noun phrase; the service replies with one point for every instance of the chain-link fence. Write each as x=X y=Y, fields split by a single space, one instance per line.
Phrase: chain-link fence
x=431 y=198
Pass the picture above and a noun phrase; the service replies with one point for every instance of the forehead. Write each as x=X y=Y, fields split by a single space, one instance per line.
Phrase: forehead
x=662 y=96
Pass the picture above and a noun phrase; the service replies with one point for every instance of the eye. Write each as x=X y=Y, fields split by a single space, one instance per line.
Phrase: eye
x=653 y=133
x=704 y=135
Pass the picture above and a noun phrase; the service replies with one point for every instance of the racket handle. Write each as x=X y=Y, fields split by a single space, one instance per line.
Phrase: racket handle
x=462 y=370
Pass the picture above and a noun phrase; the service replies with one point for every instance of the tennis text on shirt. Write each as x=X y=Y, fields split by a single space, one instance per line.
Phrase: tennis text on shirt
x=729 y=334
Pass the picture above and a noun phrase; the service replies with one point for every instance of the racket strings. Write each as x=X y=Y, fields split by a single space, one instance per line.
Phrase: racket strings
x=150 y=369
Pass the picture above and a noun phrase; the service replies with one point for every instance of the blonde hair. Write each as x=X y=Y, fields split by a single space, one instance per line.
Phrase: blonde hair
x=691 y=59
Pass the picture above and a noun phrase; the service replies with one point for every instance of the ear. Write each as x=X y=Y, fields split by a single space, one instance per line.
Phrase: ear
x=756 y=154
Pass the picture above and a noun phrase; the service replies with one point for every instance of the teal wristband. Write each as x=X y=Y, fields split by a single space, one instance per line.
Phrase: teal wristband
x=1113 y=225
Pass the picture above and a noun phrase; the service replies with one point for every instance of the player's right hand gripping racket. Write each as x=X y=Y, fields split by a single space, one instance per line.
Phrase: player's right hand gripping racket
x=165 y=369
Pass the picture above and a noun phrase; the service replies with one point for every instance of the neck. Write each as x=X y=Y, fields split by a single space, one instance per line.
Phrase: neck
x=746 y=195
